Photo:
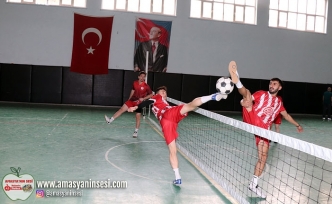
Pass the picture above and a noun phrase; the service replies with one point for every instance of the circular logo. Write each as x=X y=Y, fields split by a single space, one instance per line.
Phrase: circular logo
x=7 y=188
x=268 y=111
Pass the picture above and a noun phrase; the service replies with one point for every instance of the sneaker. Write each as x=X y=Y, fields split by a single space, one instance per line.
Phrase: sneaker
x=177 y=182
x=257 y=190
x=108 y=120
x=329 y=119
x=323 y=118
x=135 y=135
x=219 y=96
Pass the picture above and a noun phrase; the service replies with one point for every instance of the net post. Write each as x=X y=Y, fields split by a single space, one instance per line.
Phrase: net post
x=146 y=78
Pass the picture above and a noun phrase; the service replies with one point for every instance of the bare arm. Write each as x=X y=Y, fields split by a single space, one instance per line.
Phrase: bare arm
x=291 y=120
x=141 y=105
x=146 y=97
x=131 y=93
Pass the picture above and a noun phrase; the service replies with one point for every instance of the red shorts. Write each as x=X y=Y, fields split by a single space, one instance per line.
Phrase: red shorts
x=132 y=103
x=278 y=119
x=169 y=123
x=253 y=119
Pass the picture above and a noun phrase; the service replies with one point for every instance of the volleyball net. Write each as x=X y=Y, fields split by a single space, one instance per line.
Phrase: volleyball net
x=224 y=148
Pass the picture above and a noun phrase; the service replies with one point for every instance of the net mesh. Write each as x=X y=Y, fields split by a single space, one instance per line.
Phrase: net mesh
x=224 y=148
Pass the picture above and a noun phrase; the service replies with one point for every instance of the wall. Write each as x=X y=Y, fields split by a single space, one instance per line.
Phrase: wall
x=42 y=35
x=57 y=85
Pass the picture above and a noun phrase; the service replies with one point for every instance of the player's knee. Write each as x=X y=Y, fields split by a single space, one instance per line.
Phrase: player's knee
x=124 y=108
x=172 y=147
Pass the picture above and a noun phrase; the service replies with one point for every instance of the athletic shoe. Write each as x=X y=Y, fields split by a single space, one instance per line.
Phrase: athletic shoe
x=135 y=135
x=177 y=182
x=219 y=96
x=108 y=120
x=323 y=118
x=257 y=190
x=329 y=119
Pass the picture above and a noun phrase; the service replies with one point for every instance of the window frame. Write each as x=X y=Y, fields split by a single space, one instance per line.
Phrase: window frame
x=138 y=9
x=235 y=6
x=60 y=3
x=307 y=15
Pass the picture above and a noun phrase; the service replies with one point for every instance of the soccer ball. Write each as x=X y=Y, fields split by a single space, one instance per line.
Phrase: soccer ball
x=224 y=85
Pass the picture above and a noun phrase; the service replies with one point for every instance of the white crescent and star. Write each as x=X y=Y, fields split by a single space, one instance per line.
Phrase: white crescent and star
x=91 y=30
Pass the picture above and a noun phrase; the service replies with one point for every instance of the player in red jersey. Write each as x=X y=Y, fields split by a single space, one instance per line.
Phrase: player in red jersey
x=140 y=92
x=169 y=118
x=260 y=109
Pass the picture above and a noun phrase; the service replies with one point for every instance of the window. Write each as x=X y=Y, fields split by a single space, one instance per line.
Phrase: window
x=304 y=15
x=240 y=11
x=73 y=3
x=165 y=7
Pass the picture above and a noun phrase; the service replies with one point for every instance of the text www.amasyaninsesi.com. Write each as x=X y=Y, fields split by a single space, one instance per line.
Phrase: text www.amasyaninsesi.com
x=82 y=184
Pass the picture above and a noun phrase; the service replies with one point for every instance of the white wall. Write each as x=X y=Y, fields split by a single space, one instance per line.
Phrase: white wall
x=42 y=35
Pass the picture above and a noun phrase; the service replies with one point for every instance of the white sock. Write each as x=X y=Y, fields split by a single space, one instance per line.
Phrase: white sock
x=136 y=129
x=254 y=181
x=238 y=84
x=111 y=120
x=177 y=174
x=205 y=99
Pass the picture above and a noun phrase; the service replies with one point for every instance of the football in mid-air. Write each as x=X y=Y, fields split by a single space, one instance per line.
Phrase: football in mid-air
x=224 y=85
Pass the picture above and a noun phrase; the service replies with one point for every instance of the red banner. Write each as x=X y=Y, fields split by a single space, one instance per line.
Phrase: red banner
x=91 y=44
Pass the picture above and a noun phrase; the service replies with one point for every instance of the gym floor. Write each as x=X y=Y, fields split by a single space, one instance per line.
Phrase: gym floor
x=74 y=143
x=71 y=143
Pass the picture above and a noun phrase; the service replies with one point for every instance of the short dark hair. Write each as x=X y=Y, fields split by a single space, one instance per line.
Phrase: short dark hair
x=161 y=88
x=278 y=80
x=141 y=72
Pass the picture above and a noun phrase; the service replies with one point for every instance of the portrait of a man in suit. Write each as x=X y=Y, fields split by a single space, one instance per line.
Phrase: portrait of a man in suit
x=158 y=53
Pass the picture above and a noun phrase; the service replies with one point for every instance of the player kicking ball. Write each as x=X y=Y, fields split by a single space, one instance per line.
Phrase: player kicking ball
x=169 y=118
x=260 y=109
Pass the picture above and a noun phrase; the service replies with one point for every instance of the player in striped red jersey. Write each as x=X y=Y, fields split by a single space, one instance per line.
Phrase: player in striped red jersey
x=260 y=109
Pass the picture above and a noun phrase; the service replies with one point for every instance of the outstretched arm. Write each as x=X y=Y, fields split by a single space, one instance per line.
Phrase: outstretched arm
x=146 y=97
x=291 y=120
x=141 y=105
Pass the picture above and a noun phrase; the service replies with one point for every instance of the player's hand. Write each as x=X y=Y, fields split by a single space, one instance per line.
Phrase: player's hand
x=246 y=103
x=141 y=99
x=132 y=109
x=137 y=69
x=299 y=129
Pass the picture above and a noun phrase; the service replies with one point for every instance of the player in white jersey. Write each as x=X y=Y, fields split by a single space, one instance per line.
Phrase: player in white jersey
x=260 y=109
x=170 y=116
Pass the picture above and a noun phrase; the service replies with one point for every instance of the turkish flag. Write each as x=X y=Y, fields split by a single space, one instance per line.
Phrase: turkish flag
x=143 y=27
x=91 y=44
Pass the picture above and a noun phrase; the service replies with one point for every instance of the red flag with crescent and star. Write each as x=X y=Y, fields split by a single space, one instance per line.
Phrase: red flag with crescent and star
x=91 y=44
